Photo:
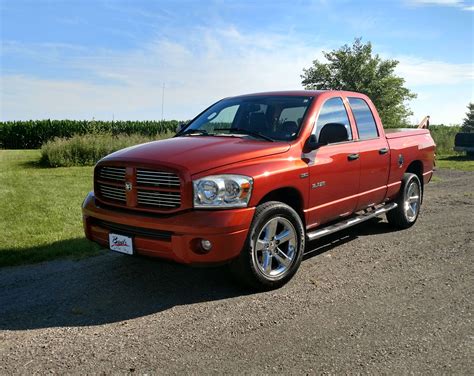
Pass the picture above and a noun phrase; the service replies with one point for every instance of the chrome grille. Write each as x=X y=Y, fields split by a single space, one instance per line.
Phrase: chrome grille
x=152 y=189
x=149 y=194
x=157 y=178
x=159 y=199
x=112 y=173
x=113 y=193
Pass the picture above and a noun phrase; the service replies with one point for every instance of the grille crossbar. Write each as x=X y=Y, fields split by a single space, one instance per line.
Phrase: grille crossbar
x=112 y=173
x=157 y=178
x=169 y=199
x=112 y=192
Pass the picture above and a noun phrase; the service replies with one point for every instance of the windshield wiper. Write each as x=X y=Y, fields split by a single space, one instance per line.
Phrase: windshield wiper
x=196 y=132
x=245 y=131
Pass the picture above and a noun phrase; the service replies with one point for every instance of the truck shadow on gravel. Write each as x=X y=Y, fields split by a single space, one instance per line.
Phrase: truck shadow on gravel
x=112 y=288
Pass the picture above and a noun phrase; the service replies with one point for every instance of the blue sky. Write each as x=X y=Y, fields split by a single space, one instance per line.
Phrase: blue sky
x=109 y=59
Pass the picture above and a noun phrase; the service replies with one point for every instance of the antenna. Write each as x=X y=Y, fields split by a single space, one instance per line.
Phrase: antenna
x=163 y=102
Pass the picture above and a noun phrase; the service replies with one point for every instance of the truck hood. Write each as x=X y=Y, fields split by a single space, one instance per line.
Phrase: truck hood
x=197 y=153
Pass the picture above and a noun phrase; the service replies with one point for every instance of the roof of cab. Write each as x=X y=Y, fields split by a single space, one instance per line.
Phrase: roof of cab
x=298 y=93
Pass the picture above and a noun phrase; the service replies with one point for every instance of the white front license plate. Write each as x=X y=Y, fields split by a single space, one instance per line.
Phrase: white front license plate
x=120 y=243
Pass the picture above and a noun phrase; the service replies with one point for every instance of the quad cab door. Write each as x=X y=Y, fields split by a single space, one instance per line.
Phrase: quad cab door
x=374 y=154
x=334 y=168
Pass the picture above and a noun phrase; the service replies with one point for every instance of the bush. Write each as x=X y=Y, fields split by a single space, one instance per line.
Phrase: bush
x=444 y=138
x=86 y=150
x=34 y=133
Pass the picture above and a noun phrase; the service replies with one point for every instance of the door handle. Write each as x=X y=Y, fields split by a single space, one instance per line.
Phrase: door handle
x=353 y=157
x=383 y=151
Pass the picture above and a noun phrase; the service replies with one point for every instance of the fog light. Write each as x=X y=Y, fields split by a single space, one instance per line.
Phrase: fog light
x=206 y=245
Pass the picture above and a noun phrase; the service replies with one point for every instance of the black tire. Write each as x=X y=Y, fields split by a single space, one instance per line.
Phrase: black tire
x=247 y=268
x=403 y=216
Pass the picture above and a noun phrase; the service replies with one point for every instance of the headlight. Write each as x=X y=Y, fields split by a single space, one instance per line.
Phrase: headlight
x=222 y=191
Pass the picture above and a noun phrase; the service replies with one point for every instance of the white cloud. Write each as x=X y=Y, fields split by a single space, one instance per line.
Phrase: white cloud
x=420 y=72
x=462 y=4
x=205 y=67
x=438 y=2
x=443 y=89
x=446 y=105
x=209 y=66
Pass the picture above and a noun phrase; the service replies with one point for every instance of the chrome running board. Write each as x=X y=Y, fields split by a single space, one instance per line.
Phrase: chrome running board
x=318 y=233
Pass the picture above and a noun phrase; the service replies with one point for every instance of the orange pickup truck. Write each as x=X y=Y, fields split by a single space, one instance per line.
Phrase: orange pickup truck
x=253 y=178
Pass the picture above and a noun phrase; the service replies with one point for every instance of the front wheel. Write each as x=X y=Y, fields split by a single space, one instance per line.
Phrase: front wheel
x=409 y=202
x=273 y=249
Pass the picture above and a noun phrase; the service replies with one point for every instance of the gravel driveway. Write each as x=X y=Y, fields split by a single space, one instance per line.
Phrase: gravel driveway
x=369 y=300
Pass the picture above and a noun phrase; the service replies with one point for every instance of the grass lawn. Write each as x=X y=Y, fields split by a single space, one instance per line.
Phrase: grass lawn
x=41 y=209
x=457 y=162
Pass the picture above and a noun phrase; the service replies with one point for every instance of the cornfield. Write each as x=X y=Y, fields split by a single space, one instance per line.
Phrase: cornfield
x=34 y=133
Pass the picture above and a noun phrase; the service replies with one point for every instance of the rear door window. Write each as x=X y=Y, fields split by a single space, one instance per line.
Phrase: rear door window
x=364 y=118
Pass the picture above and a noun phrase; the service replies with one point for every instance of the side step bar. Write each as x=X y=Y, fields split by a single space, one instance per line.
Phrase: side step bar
x=319 y=233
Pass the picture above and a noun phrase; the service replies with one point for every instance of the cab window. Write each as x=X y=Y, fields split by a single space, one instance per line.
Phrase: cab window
x=364 y=119
x=333 y=111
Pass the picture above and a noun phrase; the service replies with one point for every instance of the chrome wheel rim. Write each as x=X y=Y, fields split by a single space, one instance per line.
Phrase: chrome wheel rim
x=412 y=202
x=275 y=248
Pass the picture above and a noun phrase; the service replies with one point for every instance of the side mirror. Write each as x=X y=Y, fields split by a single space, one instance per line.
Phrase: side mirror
x=180 y=127
x=313 y=144
x=332 y=133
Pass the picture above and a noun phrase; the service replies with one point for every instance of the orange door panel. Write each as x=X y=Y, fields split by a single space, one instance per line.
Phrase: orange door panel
x=334 y=182
x=374 y=170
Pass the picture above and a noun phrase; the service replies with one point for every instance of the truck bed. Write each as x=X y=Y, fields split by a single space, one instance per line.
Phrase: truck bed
x=392 y=133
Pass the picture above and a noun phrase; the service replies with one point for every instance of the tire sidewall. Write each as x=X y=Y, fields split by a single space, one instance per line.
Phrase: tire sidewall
x=408 y=181
x=274 y=209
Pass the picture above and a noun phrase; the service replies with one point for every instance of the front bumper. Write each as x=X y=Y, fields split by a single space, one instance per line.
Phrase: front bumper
x=175 y=237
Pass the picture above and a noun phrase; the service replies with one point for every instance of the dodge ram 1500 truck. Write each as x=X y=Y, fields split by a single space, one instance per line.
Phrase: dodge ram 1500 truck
x=253 y=178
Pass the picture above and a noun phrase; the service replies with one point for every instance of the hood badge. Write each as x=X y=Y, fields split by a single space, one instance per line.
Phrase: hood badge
x=128 y=186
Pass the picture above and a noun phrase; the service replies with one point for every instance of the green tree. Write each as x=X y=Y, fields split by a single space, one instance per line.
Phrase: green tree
x=468 y=123
x=355 y=68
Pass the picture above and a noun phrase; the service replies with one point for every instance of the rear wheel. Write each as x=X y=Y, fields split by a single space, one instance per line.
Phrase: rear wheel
x=409 y=202
x=273 y=249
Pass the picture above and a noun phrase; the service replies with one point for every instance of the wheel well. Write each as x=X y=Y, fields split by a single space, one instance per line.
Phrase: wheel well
x=416 y=167
x=289 y=196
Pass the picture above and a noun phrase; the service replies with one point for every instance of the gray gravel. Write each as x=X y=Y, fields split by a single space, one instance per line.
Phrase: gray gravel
x=369 y=300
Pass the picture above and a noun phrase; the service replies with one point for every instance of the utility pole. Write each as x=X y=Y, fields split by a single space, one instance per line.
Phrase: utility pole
x=163 y=102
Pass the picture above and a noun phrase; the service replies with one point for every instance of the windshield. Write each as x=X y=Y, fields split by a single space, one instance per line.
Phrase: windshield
x=273 y=117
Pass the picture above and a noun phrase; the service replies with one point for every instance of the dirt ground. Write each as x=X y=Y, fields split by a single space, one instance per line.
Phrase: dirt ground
x=368 y=300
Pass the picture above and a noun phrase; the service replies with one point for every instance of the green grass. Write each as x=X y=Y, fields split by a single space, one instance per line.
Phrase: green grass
x=455 y=162
x=41 y=209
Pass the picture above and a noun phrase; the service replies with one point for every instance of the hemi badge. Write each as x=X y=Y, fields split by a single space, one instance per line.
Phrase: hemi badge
x=304 y=175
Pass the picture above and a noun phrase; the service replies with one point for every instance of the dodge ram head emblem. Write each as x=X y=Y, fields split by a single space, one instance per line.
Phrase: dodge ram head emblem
x=128 y=186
